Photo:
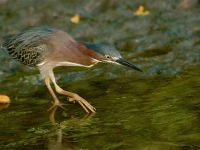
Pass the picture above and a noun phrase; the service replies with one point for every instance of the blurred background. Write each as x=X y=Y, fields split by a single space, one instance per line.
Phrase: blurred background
x=152 y=110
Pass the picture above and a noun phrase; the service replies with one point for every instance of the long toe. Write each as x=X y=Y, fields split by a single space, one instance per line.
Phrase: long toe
x=84 y=104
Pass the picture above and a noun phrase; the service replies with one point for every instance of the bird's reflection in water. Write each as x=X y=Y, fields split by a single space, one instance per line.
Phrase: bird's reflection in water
x=56 y=143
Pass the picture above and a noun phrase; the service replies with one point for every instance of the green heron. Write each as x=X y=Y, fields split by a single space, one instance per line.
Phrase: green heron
x=46 y=48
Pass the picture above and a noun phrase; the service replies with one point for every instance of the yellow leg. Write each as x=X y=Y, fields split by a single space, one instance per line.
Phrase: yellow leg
x=56 y=101
x=76 y=97
x=47 y=82
x=73 y=96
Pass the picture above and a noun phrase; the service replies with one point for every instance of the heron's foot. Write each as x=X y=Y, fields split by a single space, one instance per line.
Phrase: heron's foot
x=57 y=104
x=86 y=106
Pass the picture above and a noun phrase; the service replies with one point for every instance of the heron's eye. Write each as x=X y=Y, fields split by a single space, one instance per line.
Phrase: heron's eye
x=108 y=56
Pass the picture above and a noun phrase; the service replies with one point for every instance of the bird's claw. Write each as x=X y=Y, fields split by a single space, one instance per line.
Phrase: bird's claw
x=86 y=106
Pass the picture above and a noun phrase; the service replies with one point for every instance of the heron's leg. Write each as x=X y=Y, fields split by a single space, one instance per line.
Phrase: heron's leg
x=47 y=82
x=73 y=96
x=76 y=97
x=56 y=101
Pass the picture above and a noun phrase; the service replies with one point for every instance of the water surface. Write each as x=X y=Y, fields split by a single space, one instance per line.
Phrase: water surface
x=157 y=109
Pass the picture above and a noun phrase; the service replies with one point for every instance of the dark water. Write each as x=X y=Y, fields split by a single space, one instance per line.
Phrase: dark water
x=158 y=109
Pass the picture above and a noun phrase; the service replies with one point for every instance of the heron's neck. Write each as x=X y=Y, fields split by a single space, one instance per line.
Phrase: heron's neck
x=90 y=52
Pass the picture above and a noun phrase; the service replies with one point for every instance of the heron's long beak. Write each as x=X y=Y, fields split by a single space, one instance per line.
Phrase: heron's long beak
x=128 y=64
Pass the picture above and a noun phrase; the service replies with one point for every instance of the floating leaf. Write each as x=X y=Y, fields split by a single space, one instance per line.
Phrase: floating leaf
x=75 y=19
x=4 y=99
x=141 y=11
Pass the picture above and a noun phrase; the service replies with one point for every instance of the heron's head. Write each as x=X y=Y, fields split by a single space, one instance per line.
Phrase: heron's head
x=110 y=55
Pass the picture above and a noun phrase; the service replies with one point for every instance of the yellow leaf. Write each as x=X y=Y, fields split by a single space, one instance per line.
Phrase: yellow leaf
x=4 y=99
x=141 y=11
x=75 y=19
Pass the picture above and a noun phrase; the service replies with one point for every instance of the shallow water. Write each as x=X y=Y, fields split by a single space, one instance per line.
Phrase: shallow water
x=157 y=109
